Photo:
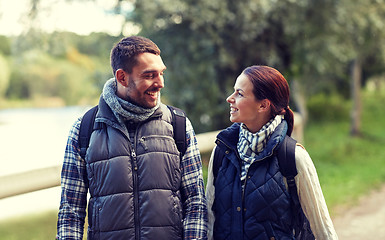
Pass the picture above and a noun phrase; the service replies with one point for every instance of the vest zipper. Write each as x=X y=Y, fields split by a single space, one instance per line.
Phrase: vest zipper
x=135 y=186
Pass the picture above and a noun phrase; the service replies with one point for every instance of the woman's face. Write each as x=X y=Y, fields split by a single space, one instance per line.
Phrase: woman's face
x=243 y=104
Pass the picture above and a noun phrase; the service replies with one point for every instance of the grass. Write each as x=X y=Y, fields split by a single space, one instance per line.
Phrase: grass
x=348 y=167
x=32 y=227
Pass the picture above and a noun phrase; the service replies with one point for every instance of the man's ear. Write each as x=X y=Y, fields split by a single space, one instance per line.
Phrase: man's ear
x=121 y=77
x=265 y=105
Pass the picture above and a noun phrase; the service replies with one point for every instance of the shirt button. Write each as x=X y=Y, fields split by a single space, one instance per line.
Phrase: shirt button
x=238 y=209
x=227 y=151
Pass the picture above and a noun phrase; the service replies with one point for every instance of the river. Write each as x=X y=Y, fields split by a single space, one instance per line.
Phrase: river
x=32 y=139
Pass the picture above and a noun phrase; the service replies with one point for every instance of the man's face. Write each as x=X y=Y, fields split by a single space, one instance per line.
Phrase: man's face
x=146 y=80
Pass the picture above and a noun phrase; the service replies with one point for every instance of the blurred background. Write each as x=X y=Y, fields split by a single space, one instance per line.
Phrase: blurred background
x=54 y=60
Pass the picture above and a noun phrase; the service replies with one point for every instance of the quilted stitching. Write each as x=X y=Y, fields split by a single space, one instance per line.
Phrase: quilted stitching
x=266 y=202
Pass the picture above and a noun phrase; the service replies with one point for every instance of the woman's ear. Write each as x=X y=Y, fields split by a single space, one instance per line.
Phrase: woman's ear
x=265 y=105
x=121 y=77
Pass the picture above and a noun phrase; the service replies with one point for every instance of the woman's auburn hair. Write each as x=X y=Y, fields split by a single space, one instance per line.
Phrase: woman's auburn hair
x=269 y=83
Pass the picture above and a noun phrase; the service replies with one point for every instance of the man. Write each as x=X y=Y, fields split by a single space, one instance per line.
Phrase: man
x=140 y=187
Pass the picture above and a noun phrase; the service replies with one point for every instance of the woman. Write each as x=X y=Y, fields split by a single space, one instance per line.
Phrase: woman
x=249 y=198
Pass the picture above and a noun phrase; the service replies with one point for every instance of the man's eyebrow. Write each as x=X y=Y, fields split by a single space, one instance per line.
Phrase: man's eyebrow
x=153 y=70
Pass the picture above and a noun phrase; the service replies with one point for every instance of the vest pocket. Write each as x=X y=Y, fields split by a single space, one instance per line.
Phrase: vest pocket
x=269 y=230
x=157 y=143
x=178 y=209
x=93 y=213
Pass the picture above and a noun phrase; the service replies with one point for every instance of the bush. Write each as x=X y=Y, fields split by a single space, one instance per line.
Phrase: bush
x=324 y=107
x=46 y=77
x=4 y=75
x=5 y=45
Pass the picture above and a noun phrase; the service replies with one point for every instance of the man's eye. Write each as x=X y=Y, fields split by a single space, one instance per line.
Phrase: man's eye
x=149 y=76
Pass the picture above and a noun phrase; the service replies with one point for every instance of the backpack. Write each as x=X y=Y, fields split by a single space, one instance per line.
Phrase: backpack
x=286 y=162
x=178 y=122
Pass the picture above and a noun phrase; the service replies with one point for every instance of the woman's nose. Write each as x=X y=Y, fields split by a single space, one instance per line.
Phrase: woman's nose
x=230 y=99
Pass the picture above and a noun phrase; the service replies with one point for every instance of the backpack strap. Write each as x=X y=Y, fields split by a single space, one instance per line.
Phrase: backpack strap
x=287 y=166
x=179 y=125
x=86 y=128
x=286 y=160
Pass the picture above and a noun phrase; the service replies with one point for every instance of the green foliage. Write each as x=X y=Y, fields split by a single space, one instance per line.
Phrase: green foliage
x=97 y=44
x=326 y=108
x=33 y=227
x=5 y=45
x=4 y=75
x=44 y=76
x=349 y=167
x=52 y=66
x=211 y=43
x=193 y=89
x=208 y=43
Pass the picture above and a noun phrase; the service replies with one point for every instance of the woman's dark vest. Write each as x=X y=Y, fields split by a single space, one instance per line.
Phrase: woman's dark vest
x=262 y=210
x=134 y=188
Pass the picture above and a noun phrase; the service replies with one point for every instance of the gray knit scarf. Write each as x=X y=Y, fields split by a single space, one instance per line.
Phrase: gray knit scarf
x=250 y=145
x=124 y=110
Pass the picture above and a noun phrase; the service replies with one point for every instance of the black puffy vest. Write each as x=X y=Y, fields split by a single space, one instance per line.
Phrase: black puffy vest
x=134 y=188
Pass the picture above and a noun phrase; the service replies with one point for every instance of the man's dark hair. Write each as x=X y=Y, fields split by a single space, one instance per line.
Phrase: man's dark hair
x=123 y=54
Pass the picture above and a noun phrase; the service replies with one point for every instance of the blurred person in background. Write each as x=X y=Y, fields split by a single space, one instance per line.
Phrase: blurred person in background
x=140 y=187
x=249 y=197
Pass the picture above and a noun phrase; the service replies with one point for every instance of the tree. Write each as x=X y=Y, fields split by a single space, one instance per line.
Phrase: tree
x=317 y=45
x=359 y=31
x=209 y=42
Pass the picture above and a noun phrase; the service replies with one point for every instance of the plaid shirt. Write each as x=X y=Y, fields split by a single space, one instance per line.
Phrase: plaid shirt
x=74 y=186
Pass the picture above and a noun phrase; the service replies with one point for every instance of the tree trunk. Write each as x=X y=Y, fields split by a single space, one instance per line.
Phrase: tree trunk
x=356 y=75
x=300 y=100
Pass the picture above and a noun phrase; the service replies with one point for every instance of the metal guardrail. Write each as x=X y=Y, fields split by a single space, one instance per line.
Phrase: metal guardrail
x=39 y=179
x=25 y=182
x=34 y=180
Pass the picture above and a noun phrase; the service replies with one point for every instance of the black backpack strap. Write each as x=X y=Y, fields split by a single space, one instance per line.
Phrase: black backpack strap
x=86 y=127
x=179 y=125
x=286 y=159
x=287 y=166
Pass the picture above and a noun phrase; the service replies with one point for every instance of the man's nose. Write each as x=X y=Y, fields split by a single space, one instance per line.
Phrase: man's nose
x=159 y=81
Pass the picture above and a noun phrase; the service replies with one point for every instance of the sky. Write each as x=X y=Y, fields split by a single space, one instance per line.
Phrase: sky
x=81 y=17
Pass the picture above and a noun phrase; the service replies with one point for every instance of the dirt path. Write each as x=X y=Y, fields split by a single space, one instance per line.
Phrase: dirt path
x=366 y=220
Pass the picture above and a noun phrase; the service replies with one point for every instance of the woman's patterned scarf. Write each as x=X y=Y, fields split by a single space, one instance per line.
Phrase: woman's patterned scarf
x=250 y=145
